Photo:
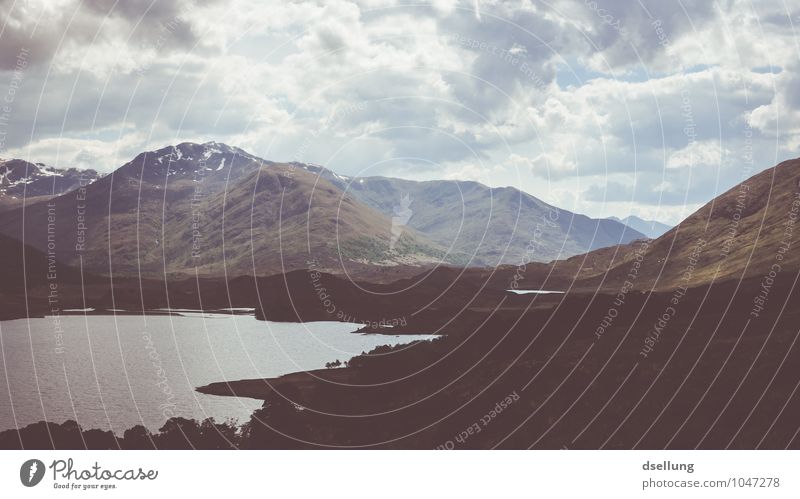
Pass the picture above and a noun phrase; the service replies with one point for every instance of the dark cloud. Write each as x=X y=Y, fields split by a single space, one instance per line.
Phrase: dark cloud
x=40 y=31
x=149 y=19
x=37 y=33
x=638 y=31
x=512 y=50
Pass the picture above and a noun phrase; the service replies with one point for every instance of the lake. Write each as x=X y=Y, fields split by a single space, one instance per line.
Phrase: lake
x=113 y=372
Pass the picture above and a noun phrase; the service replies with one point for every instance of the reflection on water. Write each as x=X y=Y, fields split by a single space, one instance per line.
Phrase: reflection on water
x=113 y=372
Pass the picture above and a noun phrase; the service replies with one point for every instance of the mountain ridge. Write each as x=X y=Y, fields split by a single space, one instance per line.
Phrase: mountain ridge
x=650 y=228
x=214 y=209
x=496 y=226
x=25 y=182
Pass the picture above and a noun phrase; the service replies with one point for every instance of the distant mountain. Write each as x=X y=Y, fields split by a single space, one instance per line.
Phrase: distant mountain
x=650 y=228
x=215 y=210
x=749 y=231
x=493 y=226
x=33 y=182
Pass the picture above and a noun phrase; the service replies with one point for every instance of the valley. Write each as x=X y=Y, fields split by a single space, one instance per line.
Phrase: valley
x=691 y=334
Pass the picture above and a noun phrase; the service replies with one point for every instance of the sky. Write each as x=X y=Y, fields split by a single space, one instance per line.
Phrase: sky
x=602 y=107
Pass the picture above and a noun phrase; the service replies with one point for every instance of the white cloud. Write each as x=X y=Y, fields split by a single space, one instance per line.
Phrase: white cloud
x=549 y=165
x=697 y=153
x=102 y=155
x=528 y=91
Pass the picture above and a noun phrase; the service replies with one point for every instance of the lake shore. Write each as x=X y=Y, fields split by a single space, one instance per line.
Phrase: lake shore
x=261 y=388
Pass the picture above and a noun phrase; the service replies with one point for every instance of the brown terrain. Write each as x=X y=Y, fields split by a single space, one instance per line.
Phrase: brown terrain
x=742 y=233
x=685 y=341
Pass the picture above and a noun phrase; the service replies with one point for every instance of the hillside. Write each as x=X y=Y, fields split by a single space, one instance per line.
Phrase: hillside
x=28 y=275
x=747 y=232
x=214 y=210
x=494 y=226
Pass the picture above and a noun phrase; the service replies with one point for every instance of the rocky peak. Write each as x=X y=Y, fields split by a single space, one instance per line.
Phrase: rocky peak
x=20 y=178
x=188 y=159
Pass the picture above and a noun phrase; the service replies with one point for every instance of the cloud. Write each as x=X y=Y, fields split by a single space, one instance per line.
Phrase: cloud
x=780 y=117
x=697 y=153
x=549 y=165
x=651 y=190
x=625 y=101
x=59 y=29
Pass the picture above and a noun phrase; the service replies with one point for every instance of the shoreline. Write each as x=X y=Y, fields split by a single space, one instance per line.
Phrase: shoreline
x=365 y=330
x=261 y=388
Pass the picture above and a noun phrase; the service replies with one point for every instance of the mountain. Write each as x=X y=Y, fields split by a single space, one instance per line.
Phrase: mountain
x=21 y=180
x=493 y=226
x=750 y=231
x=210 y=209
x=650 y=228
x=215 y=210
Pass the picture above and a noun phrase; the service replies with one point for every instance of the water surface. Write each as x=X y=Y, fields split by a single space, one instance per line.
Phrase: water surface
x=116 y=371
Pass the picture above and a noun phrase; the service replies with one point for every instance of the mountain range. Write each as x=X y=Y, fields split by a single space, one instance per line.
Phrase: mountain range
x=216 y=210
x=22 y=181
x=650 y=228
x=492 y=226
